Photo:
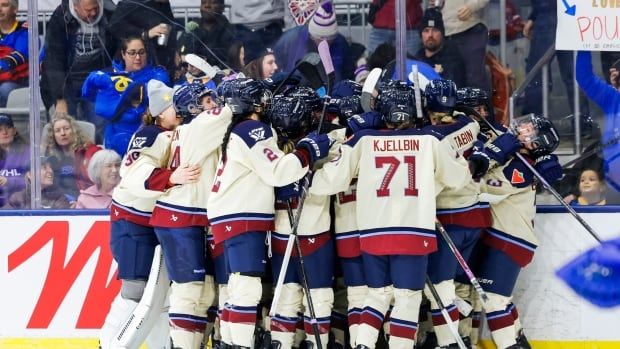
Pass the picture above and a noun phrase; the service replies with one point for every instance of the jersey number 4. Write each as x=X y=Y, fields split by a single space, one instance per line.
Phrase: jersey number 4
x=392 y=163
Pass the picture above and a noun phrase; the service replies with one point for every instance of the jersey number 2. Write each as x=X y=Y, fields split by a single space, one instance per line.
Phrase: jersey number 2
x=392 y=163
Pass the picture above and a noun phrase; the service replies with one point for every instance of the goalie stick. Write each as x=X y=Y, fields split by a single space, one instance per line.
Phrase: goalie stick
x=471 y=111
x=292 y=239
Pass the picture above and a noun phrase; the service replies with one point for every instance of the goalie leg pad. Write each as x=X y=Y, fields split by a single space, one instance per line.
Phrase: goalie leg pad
x=240 y=311
x=148 y=311
x=404 y=318
x=120 y=310
x=323 y=301
x=284 y=323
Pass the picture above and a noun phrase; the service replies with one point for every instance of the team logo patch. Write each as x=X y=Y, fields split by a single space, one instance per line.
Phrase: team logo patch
x=517 y=177
x=257 y=134
x=138 y=142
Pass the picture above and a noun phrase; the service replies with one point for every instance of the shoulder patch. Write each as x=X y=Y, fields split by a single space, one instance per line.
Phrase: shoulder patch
x=518 y=174
x=252 y=132
x=145 y=137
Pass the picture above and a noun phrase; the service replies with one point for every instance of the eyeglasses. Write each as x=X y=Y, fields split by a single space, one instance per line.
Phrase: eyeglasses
x=134 y=53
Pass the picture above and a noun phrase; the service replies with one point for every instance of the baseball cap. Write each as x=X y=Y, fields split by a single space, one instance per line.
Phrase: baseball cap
x=5 y=119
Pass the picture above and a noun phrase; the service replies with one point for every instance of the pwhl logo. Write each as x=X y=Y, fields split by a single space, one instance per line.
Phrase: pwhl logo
x=62 y=274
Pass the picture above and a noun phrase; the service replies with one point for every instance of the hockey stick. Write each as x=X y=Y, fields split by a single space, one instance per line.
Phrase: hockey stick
x=329 y=70
x=418 y=94
x=370 y=85
x=459 y=258
x=592 y=151
x=471 y=111
x=444 y=313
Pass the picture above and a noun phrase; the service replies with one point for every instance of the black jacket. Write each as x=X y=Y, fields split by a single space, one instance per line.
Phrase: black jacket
x=136 y=17
x=446 y=62
x=61 y=72
x=218 y=40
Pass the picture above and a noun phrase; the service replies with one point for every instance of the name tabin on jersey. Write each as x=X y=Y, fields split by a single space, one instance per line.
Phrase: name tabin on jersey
x=396 y=144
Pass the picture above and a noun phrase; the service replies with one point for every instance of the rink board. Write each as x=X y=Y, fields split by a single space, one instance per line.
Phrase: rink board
x=58 y=280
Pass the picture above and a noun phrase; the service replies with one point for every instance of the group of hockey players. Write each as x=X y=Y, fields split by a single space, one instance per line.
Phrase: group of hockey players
x=221 y=180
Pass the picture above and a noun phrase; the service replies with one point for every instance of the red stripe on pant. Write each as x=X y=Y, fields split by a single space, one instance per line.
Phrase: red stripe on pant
x=242 y=317
x=402 y=331
x=323 y=324
x=283 y=326
x=372 y=318
x=499 y=319
x=187 y=325
x=438 y=319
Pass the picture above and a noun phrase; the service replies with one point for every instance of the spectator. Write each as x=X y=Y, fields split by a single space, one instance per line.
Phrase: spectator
x=152 y=20
x=608 y=98
x=262 y=64
x=103 y=170
x=65 y=142
x=438 y=52
x=198 y=71
x=77 y=42
x=211 y=38
x=540 y=29
x=51 y=195
x=296 y=42
x=13 y=50
x=258 y=21
x=383 y=25
x=119 y=95
x=14 y=159
x=465 y=30
x=591 y=189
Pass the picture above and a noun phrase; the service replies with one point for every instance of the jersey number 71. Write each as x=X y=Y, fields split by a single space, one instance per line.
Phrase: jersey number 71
x=392 y=163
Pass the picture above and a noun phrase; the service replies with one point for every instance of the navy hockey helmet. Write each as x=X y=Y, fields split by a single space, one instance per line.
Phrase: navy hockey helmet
x=309 y=96
x=244 y=96
x=538 y=131
x=187 y=99
x=346 y=88
x=396 y=103
x=440 y=96
x=290 y=117
x=471 y=97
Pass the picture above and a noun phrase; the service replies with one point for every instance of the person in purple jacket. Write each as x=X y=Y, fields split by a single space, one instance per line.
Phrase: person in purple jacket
x=14 y=159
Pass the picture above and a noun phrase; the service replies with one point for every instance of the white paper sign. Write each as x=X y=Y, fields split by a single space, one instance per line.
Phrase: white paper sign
x=589 y=25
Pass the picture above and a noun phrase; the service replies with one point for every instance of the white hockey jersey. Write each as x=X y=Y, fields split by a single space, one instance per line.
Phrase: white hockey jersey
x=399 y=174
x=194 y=143
x=242 y=198
x=462 y=207
x=345 y=223
x=134 y=197
x=513 y=206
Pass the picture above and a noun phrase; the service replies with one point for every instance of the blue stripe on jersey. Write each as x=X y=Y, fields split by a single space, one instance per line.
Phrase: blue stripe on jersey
x=242 y=216
x=396 y=231
x=178 y=208
x=440 y=131
x=252 y=131
x=463 y=209
x=132 y=210
x=511 y=239
x=347 y=235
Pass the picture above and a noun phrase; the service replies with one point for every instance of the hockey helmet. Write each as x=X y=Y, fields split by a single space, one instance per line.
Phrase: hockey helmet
x=244 y=96
x=471 y=97
x=346 y=88
x=396 y=103
x=537 y=133
x=309 y=96
x=440 y=96
x=290 y=117
x=187 y=99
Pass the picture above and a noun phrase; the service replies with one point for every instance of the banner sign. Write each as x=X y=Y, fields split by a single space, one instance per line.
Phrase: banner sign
x=592 y=25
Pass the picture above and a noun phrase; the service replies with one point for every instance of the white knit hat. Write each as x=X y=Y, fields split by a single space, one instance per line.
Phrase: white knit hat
x=160 y=96
x=323 y=25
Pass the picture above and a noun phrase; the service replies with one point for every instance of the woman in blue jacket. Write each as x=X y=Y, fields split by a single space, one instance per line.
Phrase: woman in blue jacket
x=119 y=93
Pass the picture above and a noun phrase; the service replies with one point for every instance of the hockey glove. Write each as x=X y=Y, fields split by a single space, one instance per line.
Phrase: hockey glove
x=549 y=167
x=502 y=148
x=316 y=145
x=287 y=192
x=369 y=120
x=478 y=161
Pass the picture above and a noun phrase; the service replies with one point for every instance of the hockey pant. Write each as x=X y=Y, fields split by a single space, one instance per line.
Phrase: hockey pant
x=189 y=302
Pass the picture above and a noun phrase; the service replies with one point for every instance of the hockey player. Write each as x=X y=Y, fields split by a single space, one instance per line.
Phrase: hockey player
x=398 y=170
x=459 y=211
x=180 y=216
x=509 y=244
x=291 y=118
x=133 y=240
x=251 y=164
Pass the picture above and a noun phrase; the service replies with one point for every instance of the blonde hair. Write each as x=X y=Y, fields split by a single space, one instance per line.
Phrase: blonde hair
x=48 y=143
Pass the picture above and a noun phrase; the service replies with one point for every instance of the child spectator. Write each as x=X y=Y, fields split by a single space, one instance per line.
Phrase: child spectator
x=591 y=189
x=103 y=170
x=14 y=159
